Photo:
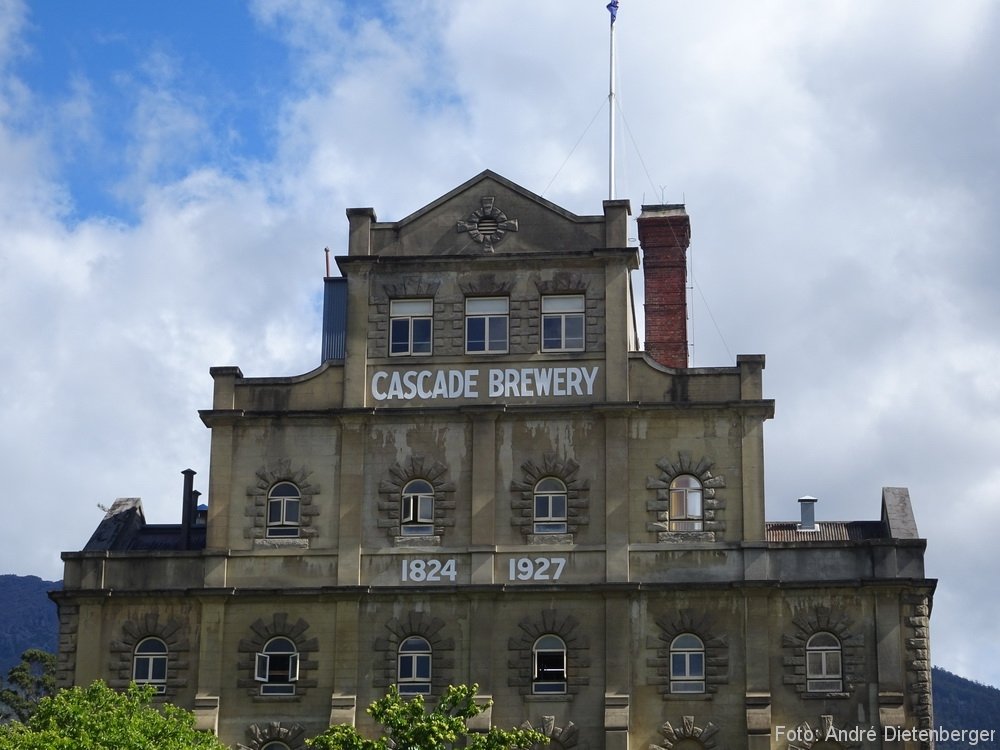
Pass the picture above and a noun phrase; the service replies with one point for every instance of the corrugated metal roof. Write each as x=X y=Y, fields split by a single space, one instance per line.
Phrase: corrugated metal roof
x=826 y=531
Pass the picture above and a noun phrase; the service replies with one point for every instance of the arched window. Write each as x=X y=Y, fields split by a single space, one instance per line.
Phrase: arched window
x=275 y=746
x=413 y=676
x=277 y=667
x=685 y=504
x=824 y=672
x=550 y=507
x=283 y=510
x=687 y=664
x=416 y=512
x=149 y=664
x=549 y=665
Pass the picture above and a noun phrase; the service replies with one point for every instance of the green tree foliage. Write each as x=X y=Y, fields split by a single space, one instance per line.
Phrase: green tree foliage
x=408 y=725
x=99 y=718
x=27 y=683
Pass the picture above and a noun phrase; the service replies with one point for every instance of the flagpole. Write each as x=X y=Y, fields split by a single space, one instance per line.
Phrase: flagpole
x=613 y=8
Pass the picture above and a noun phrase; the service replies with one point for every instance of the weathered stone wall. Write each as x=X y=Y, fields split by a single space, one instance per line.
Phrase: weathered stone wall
x=346 y=650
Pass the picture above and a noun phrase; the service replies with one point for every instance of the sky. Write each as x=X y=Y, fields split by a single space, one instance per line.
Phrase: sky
x=171 y=172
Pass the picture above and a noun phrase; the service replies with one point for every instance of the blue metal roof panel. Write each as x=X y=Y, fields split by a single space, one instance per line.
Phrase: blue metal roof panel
x=334 y=318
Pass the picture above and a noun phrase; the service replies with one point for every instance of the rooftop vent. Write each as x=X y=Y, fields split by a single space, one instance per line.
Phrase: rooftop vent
x=487 y=225
x=807 y=506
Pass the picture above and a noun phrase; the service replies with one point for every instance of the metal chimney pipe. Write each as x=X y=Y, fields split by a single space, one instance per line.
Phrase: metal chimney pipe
x=807 y=506
x=186 y=514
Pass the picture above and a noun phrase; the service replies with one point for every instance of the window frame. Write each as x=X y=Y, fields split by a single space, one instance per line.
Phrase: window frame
x=418 y=654
x=267 y=672
x=405 y=316
x=153 y=662
x=822 y=674
x=416 y=508
x=548 y=660
x=550 y=522
x=560 y=314
x=687 y=664
x=283 y=527
x=683 y=498
x=488 y=318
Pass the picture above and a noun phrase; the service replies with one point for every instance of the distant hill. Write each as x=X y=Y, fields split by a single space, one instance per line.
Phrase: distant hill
x=28 y=619
x=963 y=704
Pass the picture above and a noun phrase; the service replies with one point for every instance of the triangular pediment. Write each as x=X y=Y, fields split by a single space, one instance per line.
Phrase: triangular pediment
x=487 y=214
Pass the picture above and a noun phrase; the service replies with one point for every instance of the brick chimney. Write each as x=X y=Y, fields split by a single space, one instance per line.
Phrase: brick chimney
x=665 y=233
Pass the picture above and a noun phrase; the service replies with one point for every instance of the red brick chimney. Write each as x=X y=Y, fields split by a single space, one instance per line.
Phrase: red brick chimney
x=664 y=234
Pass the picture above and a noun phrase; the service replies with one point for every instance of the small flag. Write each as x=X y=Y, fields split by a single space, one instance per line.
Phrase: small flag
x=613 y=10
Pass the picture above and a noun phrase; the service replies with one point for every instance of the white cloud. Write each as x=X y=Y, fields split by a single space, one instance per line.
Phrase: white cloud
x=12 y=20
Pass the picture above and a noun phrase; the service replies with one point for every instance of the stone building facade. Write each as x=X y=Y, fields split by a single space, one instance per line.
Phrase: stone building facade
x=486 y=481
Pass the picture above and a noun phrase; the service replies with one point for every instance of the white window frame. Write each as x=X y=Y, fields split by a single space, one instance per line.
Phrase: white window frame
x=264 y=674
x=687 y=651
x=408 y=659
x=824 y=663
x=416 y=508
x=492 y=311
x=403 y=315
x=687 y=503
x=287 y=522
x=547 y=522
x=149 y=663
x=548 y=666
x=564 y=310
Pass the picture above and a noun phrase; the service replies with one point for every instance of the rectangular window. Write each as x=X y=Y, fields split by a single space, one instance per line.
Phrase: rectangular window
x=414 y=674
x=282 y=517
x=151 y=670
x=486 y=323
x=410 y=324
x=550 y=514
x=277 y=673
x=687 y=672
x=563 y=323
x=415 y=667
x=550 y=673
x=823 y=671
x=685 y=509
x=418 y=509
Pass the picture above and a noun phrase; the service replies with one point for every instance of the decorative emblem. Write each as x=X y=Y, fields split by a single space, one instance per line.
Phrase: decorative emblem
x=567 y=737
x=672 y=735
x=807 y=737
x=487 y=224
